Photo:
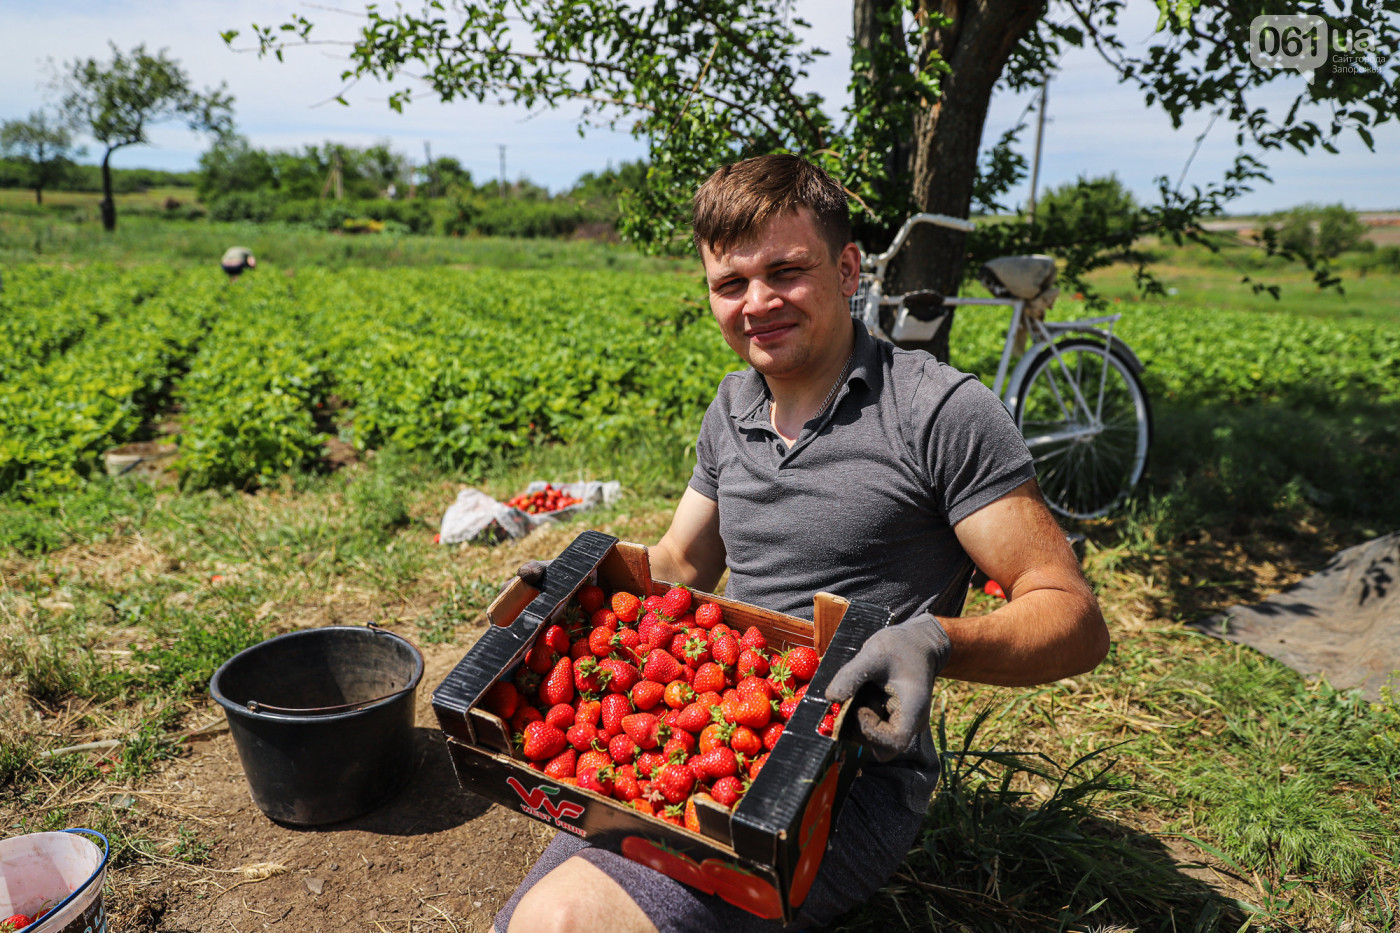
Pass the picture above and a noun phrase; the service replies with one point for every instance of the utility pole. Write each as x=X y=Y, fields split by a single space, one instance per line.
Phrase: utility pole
x=1039 y=135
x=503 y=170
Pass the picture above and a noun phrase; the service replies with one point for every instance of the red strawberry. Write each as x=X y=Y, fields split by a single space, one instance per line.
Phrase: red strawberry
x=754 y=639
x=600 y=642
x=753 y=710
x=678 y=694
x=523 y=717
x=654 y=630
x=592 y=761
x=644 y=729
x=591 y=598
x=581 y=736
x=758 y=685
x=626 y=642
x=715 y=735
x=709 y=677
x=680 y=746
x=652 y=604
x=708 y=615
x=692 y=815
x=770 y=734
x=580 y=649
x=626 y=606
x=643 y=805
x=562 y=764
x=16 y=922
x=707 y=699
x=686 y=621
x=502 y=699
x=556 y=638
x=719 y=762
x=675 y=782
x=622 y=676
x=540 y=657
x=676 y=602
x=558 y=687
x=560 y=716
x=661 y=667
x=673 y=814
x=828 y=724
x=648 y=762
x=788 y=707
x=589 y=677
x=589 y=712
x=598 y=780
x=615 y=706
x=727 y=791
x=541 y=741
x=745 y=741
x=621 y=748
x=751 y=663
x=802 y=661
x=647 y=694
x=694 y=717
x=694 y=649
x=725 y=651
x=626 y=787
x=780 y=676
x=603 y=618
x=757 y=764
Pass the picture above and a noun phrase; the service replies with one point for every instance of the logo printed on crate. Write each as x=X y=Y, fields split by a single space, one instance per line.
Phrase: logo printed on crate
x=536 y=802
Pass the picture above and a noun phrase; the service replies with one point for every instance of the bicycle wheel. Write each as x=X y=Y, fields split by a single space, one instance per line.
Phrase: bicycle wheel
x=1085 y=417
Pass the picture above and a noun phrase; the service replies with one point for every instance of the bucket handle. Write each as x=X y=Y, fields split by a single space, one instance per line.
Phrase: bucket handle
x=253 y=706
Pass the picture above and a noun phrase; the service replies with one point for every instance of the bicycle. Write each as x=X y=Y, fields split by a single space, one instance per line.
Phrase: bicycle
x=1076 y=394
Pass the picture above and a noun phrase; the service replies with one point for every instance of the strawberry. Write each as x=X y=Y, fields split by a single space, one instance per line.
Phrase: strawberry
x=753 y=710
x=558 y=686
x=580 y=649
x=502 y=699
x=656 y=631
x=626 y=787
x=707 y=699
x=647 y=694
x=756 y=765
x=615 y=707
x=562 y=764
x=541 y=741
x=708 y=677
x=758 y=685
x=802 y=662
x=680 y=746
x=676 y=602
x=993 y=588
x=581 y=736
x=645 y=729
x=719 y=762
x=727 y=791
x=693 y=718
x=692 y=817
x=751 y=663
x=648 y=762
x=626 y=641
x=754 y=639
x=598 y=780
x=592 y=761
x=652 y=604
x=770 y=734
x=626 y=606
x=715 y=735
x=695 y=650
x=828 y=724
x=642 y=805
x=604 y=618
x=725 y=651
x=675 y=782
x=708 y=615
x=589 y=712
x=661 y=667
x=678 y=694
x=523 y=717
x=787 y=707
x=560 y=716
x=600 y=642
x=677 y=644
x=591 y=598
x=622 y=676
x=556 y=638
x=673 y=814
x=540 y=657
x=17 y=922
x=780 y=676
x=745 y=741
x=621 y=748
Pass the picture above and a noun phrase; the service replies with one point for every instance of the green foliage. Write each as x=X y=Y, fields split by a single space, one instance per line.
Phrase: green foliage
x=232 y=165
x=192 y=648
x=42 y=145
x=1314 y=230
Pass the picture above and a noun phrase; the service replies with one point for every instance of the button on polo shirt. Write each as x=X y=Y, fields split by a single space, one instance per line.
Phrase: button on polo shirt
x=863 y=504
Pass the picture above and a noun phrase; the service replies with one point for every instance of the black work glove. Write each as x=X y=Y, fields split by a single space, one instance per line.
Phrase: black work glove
x=532 y=572
x=901 y=663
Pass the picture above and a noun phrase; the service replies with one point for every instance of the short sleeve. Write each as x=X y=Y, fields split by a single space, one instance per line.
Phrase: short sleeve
x=974 y=452
x=704 y=479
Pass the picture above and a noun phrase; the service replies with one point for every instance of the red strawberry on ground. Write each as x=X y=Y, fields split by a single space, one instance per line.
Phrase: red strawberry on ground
x=727 y=791
x=558 y=686
x=675 y=782
x=676 y=602
x=708 y=615
x=647 y=694
x=591 y=598
x=627 y=607
x=540 y=741
x=661 y=667
x=802 y=661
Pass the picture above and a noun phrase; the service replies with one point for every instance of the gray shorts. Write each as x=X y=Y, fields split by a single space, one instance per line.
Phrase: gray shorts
x=873 y=833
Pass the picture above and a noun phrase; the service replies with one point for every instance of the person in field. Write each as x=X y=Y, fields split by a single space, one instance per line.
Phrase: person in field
x=237 y=260
x=837 y=462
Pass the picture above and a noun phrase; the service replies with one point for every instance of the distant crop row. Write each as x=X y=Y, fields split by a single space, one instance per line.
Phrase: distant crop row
x=469 y=365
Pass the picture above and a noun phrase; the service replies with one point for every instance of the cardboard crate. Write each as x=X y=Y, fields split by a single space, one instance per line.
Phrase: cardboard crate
x=762 y=856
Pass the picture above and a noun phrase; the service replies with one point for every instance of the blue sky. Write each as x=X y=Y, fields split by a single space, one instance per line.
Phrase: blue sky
x=1096 y=126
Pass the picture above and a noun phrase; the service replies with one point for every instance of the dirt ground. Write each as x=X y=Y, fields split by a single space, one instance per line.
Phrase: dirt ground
x=433 y=858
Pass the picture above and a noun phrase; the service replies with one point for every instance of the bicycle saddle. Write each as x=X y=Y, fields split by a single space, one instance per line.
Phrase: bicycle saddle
x=1023 y=277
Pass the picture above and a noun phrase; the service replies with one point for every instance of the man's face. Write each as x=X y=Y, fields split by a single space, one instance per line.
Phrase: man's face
x=781 y=301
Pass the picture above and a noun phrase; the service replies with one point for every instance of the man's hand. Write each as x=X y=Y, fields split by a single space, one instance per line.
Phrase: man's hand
x=533 y=571
x=903 y=660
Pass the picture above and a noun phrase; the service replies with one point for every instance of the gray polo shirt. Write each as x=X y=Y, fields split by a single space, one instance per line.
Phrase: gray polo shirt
x=864 y=503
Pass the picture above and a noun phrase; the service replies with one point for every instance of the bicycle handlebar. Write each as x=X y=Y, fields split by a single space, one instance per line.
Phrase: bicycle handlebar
x=938 y=220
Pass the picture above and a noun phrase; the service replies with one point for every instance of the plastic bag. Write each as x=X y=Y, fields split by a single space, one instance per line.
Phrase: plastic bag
x=474 y=513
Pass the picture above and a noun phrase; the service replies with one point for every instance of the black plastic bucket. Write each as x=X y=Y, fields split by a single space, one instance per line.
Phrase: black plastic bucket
x=323 y=720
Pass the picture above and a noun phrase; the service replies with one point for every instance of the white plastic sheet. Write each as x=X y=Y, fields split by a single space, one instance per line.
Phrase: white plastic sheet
x=474 y=512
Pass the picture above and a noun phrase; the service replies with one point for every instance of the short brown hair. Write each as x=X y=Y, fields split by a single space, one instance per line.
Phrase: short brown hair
x=740 y=199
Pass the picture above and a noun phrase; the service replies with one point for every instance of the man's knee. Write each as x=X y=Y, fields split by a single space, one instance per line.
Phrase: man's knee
x=578 y=897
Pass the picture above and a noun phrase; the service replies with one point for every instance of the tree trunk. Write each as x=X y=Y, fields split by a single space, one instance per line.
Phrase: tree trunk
x=38 y=194
x=947 y=134
x=108 y=206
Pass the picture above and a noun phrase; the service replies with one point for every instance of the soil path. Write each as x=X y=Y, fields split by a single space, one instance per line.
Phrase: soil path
x=434 y=858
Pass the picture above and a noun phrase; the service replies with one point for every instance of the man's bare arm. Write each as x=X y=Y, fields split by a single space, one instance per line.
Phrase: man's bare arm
x=1051 y=627
x=691 y=551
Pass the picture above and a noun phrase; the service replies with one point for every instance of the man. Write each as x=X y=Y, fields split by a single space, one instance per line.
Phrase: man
x=839 y=463
x=237 y=260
